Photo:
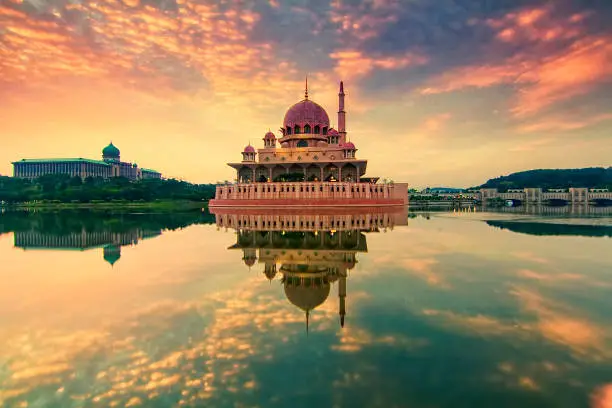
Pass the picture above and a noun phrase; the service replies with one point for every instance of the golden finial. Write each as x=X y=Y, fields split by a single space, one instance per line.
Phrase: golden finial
x=306 y=90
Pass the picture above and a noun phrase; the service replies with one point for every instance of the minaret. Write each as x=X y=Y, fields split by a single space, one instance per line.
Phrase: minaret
x=342 y=296
x=341 y=114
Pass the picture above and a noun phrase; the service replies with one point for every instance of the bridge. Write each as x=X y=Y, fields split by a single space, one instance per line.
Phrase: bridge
x=573 y=195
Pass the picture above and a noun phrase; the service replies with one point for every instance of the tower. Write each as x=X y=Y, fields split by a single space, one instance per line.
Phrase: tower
x=342 y=296
x=341 y=114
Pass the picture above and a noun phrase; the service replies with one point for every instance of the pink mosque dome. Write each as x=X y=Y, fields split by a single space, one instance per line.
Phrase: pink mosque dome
x=306 y=112
x=269 y=135
x=348 y=146
x=249 y=149
x=333 y=132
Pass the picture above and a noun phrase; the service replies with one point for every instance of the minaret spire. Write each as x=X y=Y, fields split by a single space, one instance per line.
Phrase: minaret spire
x=307 y=319
x=306 y=89
x=341 y=114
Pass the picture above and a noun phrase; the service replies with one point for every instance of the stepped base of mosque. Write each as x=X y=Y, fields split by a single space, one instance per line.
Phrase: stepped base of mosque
x=310 y=194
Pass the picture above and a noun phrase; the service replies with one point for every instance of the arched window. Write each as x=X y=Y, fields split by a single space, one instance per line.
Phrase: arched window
x=307 y=129
x=288 y=130
x=302 y=143
x=325 y=130
x=296 y=130
x=317 y=129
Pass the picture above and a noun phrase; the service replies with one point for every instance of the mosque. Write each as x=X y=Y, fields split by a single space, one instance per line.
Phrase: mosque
x=110 y=166
x=308 y=163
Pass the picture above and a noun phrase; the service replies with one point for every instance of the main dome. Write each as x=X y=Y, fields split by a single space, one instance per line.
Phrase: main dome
x=307 y=298
x=306 y=112
x=111 y=151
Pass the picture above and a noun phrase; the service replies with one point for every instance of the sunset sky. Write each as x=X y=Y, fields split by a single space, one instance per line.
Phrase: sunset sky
x=439 y=92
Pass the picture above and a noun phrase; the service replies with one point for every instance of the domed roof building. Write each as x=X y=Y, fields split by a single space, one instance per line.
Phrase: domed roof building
x=110 y=166
x=307 y=146
x=306 y=149
x=111 y=152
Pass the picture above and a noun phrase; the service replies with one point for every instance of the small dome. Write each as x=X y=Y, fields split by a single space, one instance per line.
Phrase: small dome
x=110 y=151
x=249 y=149
x=348 y=146
x=333 y=132
x=249 y=261
x=269 y=135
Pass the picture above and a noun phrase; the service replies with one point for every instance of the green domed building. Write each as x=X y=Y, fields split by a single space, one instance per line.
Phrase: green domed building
x=110 y=166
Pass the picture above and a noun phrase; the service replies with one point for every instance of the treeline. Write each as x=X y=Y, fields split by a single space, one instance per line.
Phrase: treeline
x=65 y=189
x=594 y=177
x=62 y=223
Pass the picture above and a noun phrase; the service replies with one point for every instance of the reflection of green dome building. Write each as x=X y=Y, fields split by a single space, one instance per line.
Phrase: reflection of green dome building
x=112 y=253
x=110 y=166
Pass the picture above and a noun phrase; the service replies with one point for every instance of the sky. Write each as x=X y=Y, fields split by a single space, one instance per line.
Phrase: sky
x=438 y=93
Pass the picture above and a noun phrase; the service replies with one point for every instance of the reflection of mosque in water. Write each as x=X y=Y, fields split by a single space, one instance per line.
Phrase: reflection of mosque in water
x=110 y=242
x=310 y=252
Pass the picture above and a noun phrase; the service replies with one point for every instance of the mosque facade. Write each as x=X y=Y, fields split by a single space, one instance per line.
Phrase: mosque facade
x=307 y=163
x=110 y=166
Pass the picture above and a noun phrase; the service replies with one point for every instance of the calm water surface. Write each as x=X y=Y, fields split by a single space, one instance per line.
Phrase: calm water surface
x=447 y=310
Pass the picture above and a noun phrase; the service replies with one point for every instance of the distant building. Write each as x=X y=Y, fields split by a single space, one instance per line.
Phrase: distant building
x=110 y=166
x=538 y=195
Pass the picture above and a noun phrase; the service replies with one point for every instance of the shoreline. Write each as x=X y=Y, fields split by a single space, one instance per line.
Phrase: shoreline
x=169 y=205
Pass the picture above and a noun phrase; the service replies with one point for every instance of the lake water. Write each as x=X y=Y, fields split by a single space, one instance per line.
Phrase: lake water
x=256 y=309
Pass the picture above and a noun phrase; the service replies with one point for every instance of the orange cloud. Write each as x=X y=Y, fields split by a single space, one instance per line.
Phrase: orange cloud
x=434 y=123
x=563 y=325
x=563 y=123
x=602 y=397
x=542 y=78
x=353 y=64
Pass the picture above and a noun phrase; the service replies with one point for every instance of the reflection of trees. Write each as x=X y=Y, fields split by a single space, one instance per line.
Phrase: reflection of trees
x=67 y=222
x=540 y=228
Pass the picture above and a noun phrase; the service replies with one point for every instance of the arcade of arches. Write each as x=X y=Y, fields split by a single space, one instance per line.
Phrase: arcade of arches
x=259 y=173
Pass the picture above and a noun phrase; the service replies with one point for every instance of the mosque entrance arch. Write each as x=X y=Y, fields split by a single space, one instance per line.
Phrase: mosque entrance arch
x=313 y=172
x=261 y=174
x=278 y=171
x=349 y=173
x=330 y=172
x=245 y=175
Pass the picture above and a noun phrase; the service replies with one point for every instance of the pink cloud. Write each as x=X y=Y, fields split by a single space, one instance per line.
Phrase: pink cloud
x=541 y=77
x=354 y=64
